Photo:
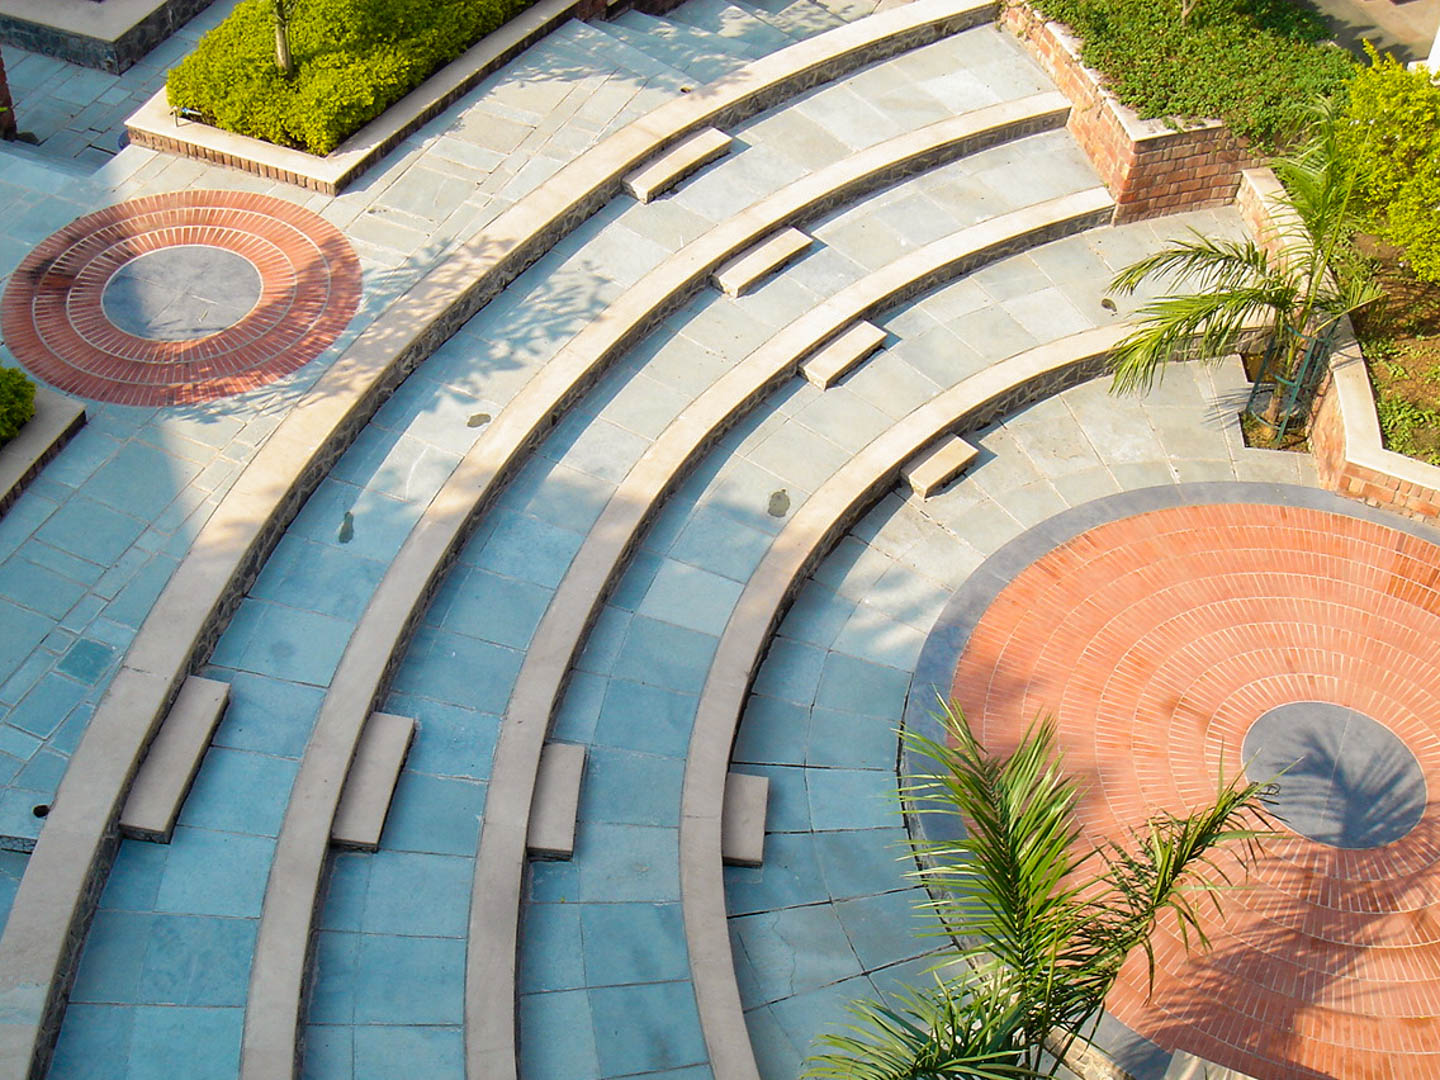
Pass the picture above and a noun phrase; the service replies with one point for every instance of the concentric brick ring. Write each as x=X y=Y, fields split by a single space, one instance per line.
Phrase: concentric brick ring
x=55 y=324
x=1155 y=641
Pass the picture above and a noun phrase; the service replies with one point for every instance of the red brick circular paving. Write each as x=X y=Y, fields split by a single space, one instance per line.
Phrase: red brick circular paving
x=1155 y=641
x=54 y=323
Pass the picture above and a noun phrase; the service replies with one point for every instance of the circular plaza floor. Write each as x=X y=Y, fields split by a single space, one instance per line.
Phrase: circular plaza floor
x=180 y=298
x=1184 y=642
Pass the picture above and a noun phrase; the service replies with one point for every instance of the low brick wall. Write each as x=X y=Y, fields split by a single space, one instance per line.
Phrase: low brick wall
x=1344 y=432
x=1149 y=168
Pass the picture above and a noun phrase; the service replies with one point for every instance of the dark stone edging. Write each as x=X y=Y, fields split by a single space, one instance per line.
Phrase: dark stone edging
x=1126 y=1053
x=113 y=54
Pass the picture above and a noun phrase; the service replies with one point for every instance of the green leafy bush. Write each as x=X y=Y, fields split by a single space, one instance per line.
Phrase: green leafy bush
x=17 y=402
x=1255 y=64
x=1392 y=135
x=1409 y=428
x=353 y=58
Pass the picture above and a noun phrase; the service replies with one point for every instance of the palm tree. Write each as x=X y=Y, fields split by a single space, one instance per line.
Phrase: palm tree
x=1302 y=290
x=1041 y=943
x=282 y=11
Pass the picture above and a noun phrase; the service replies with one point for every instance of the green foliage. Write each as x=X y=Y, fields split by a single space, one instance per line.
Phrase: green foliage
x=1045 y=942
x=1409 y=429
x=1252 y=63
x=17 y=402
x=1392 y=136
x=353 y=58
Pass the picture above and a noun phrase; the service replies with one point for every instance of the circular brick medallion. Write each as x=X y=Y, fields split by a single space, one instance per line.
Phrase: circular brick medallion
x=1158 y=641
x=96 y=311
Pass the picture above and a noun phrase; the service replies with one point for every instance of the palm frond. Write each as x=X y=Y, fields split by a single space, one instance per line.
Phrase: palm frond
x=1207 y=264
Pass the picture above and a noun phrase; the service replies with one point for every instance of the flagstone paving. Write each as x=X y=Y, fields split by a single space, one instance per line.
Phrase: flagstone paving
x=604 y=973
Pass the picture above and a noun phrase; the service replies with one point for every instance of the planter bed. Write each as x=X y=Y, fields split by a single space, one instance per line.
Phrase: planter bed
x=57 y=418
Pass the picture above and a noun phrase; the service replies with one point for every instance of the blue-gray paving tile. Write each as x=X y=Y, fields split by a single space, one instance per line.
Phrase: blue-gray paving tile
x=627 y=862
x=94 y=1043
x=553 y=881
x=114 y=956
x=775 y=1054
x=411 y=893
x=376 y=526
x=498 y=609
x=63 y=563
x=268 y=716
x=434 y=814
x=27 y=674
x=859 y=686
x=852 y=798
x=197 y=960
x=37 y=588
x=858 y=862
x=530 y=549
x=550 y=954
x=788 y=807
x=885 y=929
x=795 y=949
x=212 y=873
x=663 y=655
x=409 y=980
x=635 y=581
x=458 y=670
x=630 y=788
x=383 y=1052
x=579 y=709
x=557 y=494
x=633 y=943
x=602 y=645
x=140 y=480
x=557 y=1036
x=634 y=716
x=772 y=732
x=41 y=711
x=789 y=876
x=805 y=1015
x=318 y=578
x=329 y=1052
x=332 y=994
x=688 y=596
x=849 y=740
x=646 y=1027
x=23 y=631
x=196 y=1043
x=790 y=671
x=719 y=543
x=817 y=615
x=239 y=791
x=135 y=875
x=85 y=528
x=346 y=886
x=451 y=740
x=133 y=603
x=43 y=772
x=284 y=642
x=87 y=451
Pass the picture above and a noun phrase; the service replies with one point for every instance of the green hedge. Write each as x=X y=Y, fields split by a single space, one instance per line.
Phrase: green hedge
x=17 y=402
x=353 y=58
x=1256 y=64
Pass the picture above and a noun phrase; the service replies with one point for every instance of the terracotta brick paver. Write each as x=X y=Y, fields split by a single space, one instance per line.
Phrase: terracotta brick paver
x=54 y=323
x=1156 y=641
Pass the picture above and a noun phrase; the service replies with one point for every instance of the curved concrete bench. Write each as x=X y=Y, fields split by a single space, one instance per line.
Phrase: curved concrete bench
x=499 y=866
x=417 y=569
x=51 y=912
x=815 y=527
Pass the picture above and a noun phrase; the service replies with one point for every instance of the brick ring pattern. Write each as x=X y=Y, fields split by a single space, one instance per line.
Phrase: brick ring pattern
x=54 y=323
x=1155 y=641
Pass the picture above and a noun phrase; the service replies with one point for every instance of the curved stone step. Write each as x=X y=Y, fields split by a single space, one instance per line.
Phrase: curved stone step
x=415 y=571
x=54 y=903
x=805 y=539
x=499 y=864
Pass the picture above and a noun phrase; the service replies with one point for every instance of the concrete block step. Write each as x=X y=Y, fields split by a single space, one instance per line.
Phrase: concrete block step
x=702 y=64
x=932 y=470
x=686 y=157
x=370 y=784
x=742 y=821
x=724 y=18
x=843 y=355
x=551 y=831
x=740 y=274
x=173 y=759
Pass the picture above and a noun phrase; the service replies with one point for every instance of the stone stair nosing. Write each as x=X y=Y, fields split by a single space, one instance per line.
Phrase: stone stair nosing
x=576 y=602
x=190 y=613
x=848 y=351
x=681 y=161
x=813 y=529
x=370 y=782
x=172 y=760
x=740 y=274
x=938 y=466
x=418 y=567
x=550 y=833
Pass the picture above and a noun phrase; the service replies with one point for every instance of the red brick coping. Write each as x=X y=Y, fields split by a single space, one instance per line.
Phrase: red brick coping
x=1155 y=641
x=1149 y=167
x=54 y=323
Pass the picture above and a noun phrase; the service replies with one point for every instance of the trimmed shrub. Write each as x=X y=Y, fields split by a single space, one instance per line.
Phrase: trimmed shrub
x=17 y=402
x=1255 y=64
x=1392 y=137
x=353 y=59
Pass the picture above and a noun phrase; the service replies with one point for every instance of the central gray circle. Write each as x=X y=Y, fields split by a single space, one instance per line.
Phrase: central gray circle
x=181 y=293
x=1348 y=782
